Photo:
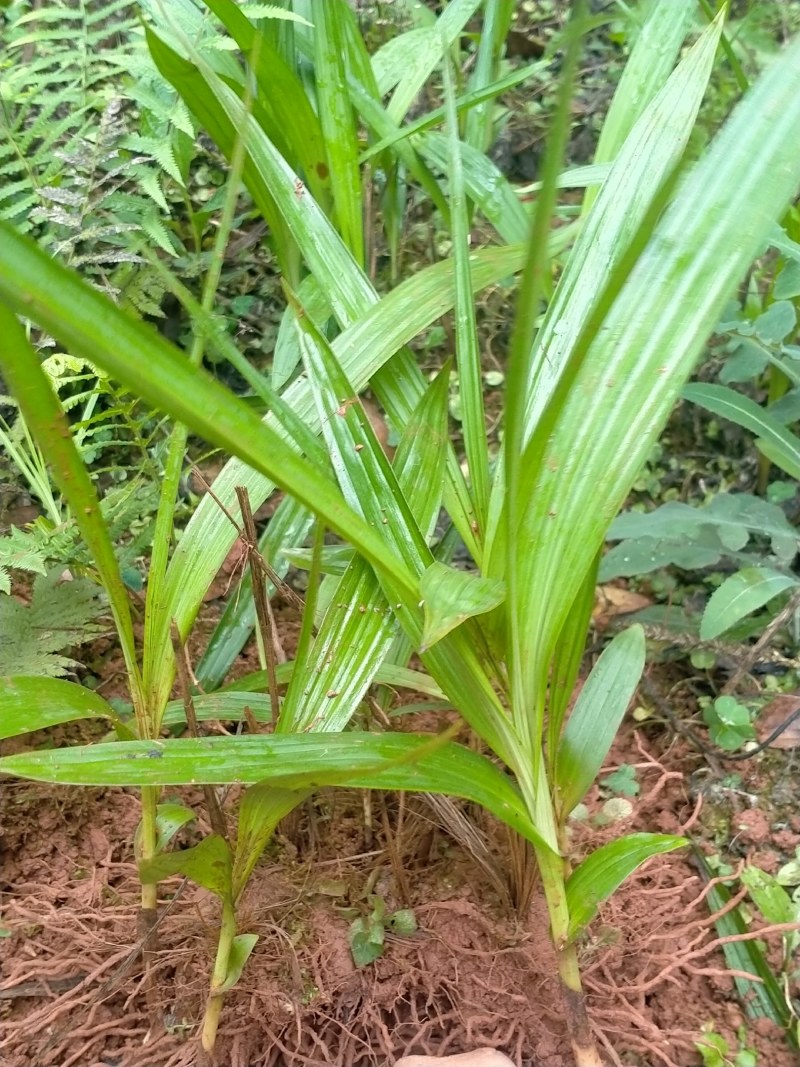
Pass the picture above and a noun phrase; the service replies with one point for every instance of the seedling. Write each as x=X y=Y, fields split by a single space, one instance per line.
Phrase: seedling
x=587 y=393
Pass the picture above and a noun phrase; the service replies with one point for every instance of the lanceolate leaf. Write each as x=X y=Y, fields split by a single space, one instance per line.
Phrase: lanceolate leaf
x=283 y=99
x=366 y=478
x=762 y=997
x=484 y=183
x=209 y=864
x=415 y=762
x=338 y=121
x=468 y=357
x=594 y=721
x=467 y=100
x=84 y=320
x=780 y=445
x=451 y=596
x=261 y=809
x=45 y=418
x=166 y=379
x=647 y=69
x=427 y=52
x=358 y=627
x=654 y=146
x=243 y=945
x=740 y=595
x=638 y=361
x=601 y=873
x=32 y=703
x=566 y=664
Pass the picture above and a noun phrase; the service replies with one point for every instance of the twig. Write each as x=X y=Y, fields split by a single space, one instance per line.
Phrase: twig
x=264 y=616
x=755 y=650
x=215 y=814
x=285 y=590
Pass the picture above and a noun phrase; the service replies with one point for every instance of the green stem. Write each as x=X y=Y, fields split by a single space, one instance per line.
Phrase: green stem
x=219 y=976
x=553 y=884
x=148 y=914
x=159 y=669
x=148 y=840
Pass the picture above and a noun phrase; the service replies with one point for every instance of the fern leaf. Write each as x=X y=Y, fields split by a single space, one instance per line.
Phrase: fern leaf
x=61 y=614
x=19 y=551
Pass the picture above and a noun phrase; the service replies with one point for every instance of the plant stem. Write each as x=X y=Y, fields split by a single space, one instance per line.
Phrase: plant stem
x=148 y=914
x=221 y=968
x=583 y=1045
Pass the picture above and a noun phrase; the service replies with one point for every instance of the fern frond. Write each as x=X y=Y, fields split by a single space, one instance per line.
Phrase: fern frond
x=61 y=614
x=19 y=551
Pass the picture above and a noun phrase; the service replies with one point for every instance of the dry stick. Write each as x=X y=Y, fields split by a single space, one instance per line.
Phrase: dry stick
x=754 y=652
x=285 y=590
x=264 y=616
x=396 y=860
x=215 y=814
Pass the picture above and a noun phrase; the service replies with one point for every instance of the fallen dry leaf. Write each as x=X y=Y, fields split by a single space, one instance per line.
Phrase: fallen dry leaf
x=775 y=713
x=613 y=600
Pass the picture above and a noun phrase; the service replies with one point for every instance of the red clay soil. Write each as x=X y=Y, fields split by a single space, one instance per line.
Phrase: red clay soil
x=473 y=975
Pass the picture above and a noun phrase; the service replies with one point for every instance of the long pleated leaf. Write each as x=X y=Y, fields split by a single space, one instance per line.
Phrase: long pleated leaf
x=359 y=626
x=653 y=148
x=32 y=703
x=650 y=340
x=497 y=15
x=368 y=483
x=426 y=52
x=365 y=761
x=275 y=187
x=88 y=323
x=362 y=469
x=780 y=445
x=650 y=62
x=85 y=321
x=282 y=95
x=338 y=120
x=463 y=102
x=485 y=184
x=45 y=418
x=468 y=358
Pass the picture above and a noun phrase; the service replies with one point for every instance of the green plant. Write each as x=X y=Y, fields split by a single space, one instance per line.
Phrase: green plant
x=729 y=722
x=762 y=993
x=368 y=932
x=61 y=614
x=74 y=173
x=770 y=894
x=656 y=257
x=716 y=1051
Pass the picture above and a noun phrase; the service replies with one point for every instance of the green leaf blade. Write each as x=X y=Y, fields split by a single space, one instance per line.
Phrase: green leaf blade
x=415 y=762
x=451 y=597
x=595 y=719
x=780 y=445
x=606 y=869
x=208 y=864
x=34 y=703
x=740 y=595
